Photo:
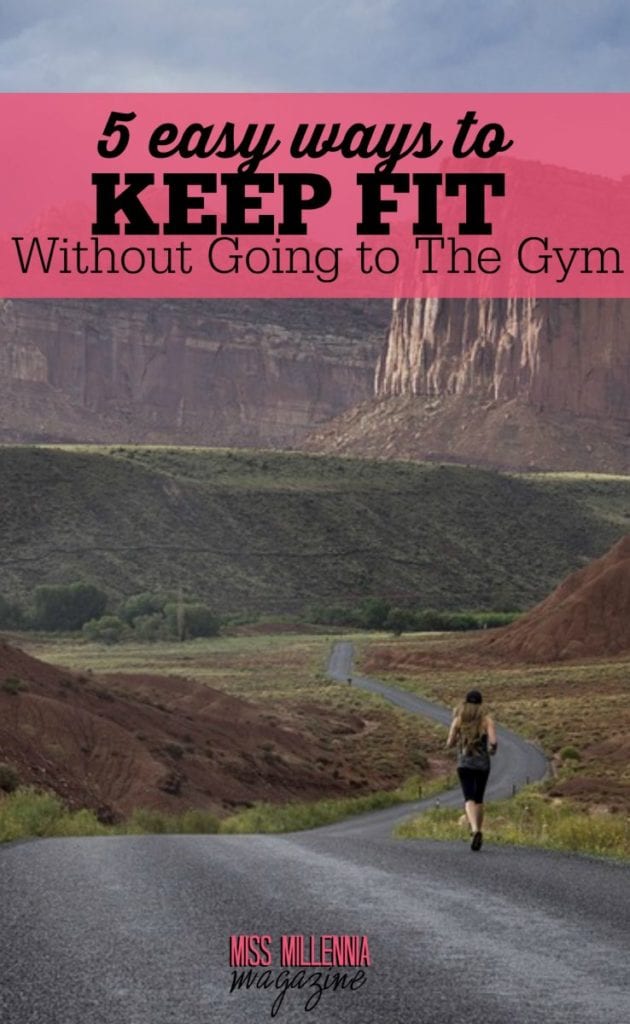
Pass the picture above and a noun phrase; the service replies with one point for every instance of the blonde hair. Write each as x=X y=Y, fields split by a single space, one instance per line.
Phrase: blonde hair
x=470 y=721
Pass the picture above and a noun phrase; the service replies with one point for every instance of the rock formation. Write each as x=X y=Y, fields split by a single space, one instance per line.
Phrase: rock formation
x=207 y=372
x=514 y=383
x=558 y=355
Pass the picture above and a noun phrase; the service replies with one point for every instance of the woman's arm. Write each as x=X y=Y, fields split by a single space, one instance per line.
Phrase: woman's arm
x=452 y=733
x=492 y=734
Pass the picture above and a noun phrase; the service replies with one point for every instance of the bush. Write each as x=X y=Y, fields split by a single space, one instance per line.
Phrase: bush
x=141 y=606
x=190 y=620
x=399 y=620
x=28 y=813
x=191 y=822
x=107 y=630
x=67 y=607
x=13 y=685
x=150 y=627
x=373 y=612
x=570 y=754
x=8 y=778
x=149 y=822
x=11 y=615
x=376 y=613
x=333 y=615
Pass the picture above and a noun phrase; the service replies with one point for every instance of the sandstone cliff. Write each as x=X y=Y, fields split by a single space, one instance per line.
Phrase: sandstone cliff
x=510 y=382
x=558 y=355
x=213 y=372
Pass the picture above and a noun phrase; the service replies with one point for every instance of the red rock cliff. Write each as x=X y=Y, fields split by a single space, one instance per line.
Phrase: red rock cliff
x=211 y=372
x=561 y=356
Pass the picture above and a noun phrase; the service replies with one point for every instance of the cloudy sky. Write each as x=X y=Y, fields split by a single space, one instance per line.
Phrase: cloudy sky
x=322 y=45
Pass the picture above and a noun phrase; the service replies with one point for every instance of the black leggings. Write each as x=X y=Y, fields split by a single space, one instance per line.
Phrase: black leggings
x=473 y=782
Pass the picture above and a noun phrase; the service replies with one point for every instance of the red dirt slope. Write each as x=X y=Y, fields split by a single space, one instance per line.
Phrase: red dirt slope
x=123 y=742
x=588 y=615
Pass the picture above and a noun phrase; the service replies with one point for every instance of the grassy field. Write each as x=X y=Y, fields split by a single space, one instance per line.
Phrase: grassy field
x=280 y=532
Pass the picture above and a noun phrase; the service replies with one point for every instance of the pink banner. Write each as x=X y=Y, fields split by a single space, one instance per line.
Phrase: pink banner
x=319 y=195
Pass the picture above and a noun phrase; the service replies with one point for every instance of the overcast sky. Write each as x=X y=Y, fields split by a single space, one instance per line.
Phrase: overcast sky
x=323 y=45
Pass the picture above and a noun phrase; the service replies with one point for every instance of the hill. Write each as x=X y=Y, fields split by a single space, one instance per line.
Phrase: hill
x=277 y=532
x=121 y=742
x=511 y=435
x=588 y=615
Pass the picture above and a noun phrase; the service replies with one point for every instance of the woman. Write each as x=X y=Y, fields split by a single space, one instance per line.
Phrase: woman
x=474 y=733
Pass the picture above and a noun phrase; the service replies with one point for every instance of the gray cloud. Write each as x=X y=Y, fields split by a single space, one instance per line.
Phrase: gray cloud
x=323 y=45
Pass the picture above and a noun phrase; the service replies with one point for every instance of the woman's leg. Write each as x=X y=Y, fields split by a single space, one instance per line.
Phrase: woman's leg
x=473 y=815
x=480 y=782
x=467 y=784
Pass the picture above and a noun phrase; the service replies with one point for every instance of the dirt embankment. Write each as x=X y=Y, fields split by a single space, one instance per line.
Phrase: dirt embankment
x=120 y=742
x=587 y=616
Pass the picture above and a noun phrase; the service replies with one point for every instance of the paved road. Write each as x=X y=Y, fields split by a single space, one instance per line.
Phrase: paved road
x=134 y=930
x=516 y=763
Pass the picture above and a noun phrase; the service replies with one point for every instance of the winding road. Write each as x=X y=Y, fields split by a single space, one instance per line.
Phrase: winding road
x=135 y=930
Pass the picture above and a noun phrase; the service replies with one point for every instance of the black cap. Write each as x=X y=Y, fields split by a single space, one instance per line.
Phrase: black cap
x=473 y=697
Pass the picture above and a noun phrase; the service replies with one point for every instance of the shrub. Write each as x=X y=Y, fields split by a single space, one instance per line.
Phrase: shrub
x=190 y=620
x=11 y=615
x=191 y=822
x=333 y=615
x=570 y=754
x=141 y=606
x=398 y=621
x=174 y=750
x=26 y=813
x=8 y=778
x=151 y=822
x=67 y=607
x=373 y=612
x=109 y=629
x=13 y=685
x=150 y=627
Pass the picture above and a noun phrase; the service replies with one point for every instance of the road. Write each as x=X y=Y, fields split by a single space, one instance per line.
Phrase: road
x=135 y=930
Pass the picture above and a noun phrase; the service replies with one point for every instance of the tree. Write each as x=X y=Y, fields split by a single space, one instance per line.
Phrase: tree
x=11 y=615
x=67 y=607
x=398 y=620
x=373 y=612
x=150 y=627
x=190 y=620
x=140 y=605
x=109 y=629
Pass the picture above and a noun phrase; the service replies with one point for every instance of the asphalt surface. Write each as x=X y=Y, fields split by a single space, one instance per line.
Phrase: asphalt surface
x=135 y=930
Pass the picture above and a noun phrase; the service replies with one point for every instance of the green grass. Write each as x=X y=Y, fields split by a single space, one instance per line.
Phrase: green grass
x=532 y=819
x=297 y=816
x=280 y=532
x=30 y=814
x=529 y=819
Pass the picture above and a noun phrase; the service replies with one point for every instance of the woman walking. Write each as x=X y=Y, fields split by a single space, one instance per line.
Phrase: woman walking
x=474 y=734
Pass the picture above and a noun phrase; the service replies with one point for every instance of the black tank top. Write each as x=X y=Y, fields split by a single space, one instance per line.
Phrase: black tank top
x=475 y=755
